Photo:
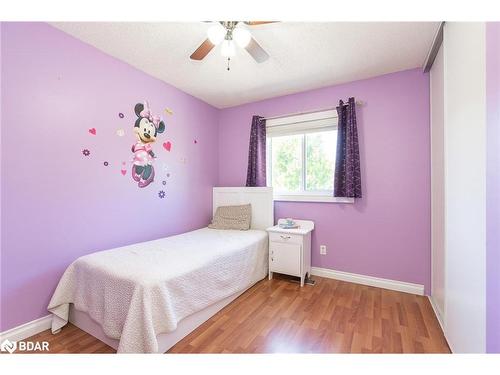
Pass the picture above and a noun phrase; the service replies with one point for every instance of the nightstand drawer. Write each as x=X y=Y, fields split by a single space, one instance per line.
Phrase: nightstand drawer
x=285 y=258
x=285 y=238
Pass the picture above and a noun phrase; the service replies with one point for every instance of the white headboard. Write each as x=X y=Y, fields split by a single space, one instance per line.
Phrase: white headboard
x=261 y=199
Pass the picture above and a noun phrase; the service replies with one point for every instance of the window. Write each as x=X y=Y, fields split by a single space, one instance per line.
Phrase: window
x=301 y=153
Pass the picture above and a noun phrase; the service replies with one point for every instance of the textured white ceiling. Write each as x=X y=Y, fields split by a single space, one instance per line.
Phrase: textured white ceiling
x=304 y=56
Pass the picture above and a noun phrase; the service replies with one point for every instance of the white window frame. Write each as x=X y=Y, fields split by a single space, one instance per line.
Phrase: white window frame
x=302 y=124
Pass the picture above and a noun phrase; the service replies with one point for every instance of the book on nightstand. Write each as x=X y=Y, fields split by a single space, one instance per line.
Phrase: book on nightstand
x=287 y=226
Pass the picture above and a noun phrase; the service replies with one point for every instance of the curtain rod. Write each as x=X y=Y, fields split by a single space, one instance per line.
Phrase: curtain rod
x=307 y=112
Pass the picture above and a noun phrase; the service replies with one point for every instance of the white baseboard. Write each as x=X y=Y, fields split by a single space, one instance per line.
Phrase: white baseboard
x=400 y=286
x=27 y=330
x=440 y=318
x=437 y=312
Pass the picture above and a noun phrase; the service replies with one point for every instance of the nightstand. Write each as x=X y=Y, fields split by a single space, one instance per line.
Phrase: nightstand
x=290 y=249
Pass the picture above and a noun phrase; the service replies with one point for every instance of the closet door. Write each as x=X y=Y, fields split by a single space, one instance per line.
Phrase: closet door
x=465 y=185
x=437 y=185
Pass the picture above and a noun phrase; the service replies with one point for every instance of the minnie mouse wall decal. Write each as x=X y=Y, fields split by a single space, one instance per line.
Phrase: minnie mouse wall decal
x=146 y=128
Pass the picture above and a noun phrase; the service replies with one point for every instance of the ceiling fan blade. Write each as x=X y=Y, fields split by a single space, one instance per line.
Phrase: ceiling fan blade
x=202 y=50
x=256 y=51
x=256 y=23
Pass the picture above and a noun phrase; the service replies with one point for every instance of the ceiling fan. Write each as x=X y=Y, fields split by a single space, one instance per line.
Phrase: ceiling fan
x=230 y=33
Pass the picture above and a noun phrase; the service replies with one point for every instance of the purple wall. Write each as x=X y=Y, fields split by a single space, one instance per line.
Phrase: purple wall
x=387 y=232
x=492 y=187
x=61 y=205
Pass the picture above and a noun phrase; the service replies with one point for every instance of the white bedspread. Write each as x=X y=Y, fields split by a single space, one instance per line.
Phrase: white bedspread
x=139 y=291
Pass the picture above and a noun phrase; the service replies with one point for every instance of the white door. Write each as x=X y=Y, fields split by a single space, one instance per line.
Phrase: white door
x=465 y=186
x=437 y=185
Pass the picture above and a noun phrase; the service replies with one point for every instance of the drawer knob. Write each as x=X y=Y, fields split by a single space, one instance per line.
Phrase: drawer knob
x=285 y=237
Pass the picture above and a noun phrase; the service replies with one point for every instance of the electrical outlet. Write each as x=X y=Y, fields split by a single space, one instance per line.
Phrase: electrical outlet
x=322 y=249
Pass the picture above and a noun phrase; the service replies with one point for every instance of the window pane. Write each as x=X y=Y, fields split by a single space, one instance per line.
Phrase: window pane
x=287 y=163
x=320 y=160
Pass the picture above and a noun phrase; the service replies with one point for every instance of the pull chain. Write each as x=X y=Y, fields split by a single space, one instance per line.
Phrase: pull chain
x=228 y=60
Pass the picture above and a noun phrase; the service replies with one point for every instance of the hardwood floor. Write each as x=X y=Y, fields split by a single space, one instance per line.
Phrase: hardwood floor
x=278 y=316
x=72 y=339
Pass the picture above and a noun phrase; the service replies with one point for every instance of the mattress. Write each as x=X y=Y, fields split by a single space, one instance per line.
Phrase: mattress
x=138 y=291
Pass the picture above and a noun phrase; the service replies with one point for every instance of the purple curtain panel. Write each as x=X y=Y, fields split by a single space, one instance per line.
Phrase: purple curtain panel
x=256 y=172
x=347 y=180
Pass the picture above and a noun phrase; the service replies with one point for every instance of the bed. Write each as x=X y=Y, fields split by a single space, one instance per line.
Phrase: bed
x=145 y=297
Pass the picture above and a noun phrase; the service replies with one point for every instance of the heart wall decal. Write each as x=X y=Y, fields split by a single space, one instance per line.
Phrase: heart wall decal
x=167 y=145
x=93 y=131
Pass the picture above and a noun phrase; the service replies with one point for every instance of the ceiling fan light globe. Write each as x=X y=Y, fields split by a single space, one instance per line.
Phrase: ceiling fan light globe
x=241 y=36
x=216 y=33
x=227 y=48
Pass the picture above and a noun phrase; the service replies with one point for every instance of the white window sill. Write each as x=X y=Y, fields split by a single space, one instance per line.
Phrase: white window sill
x=312 y=198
